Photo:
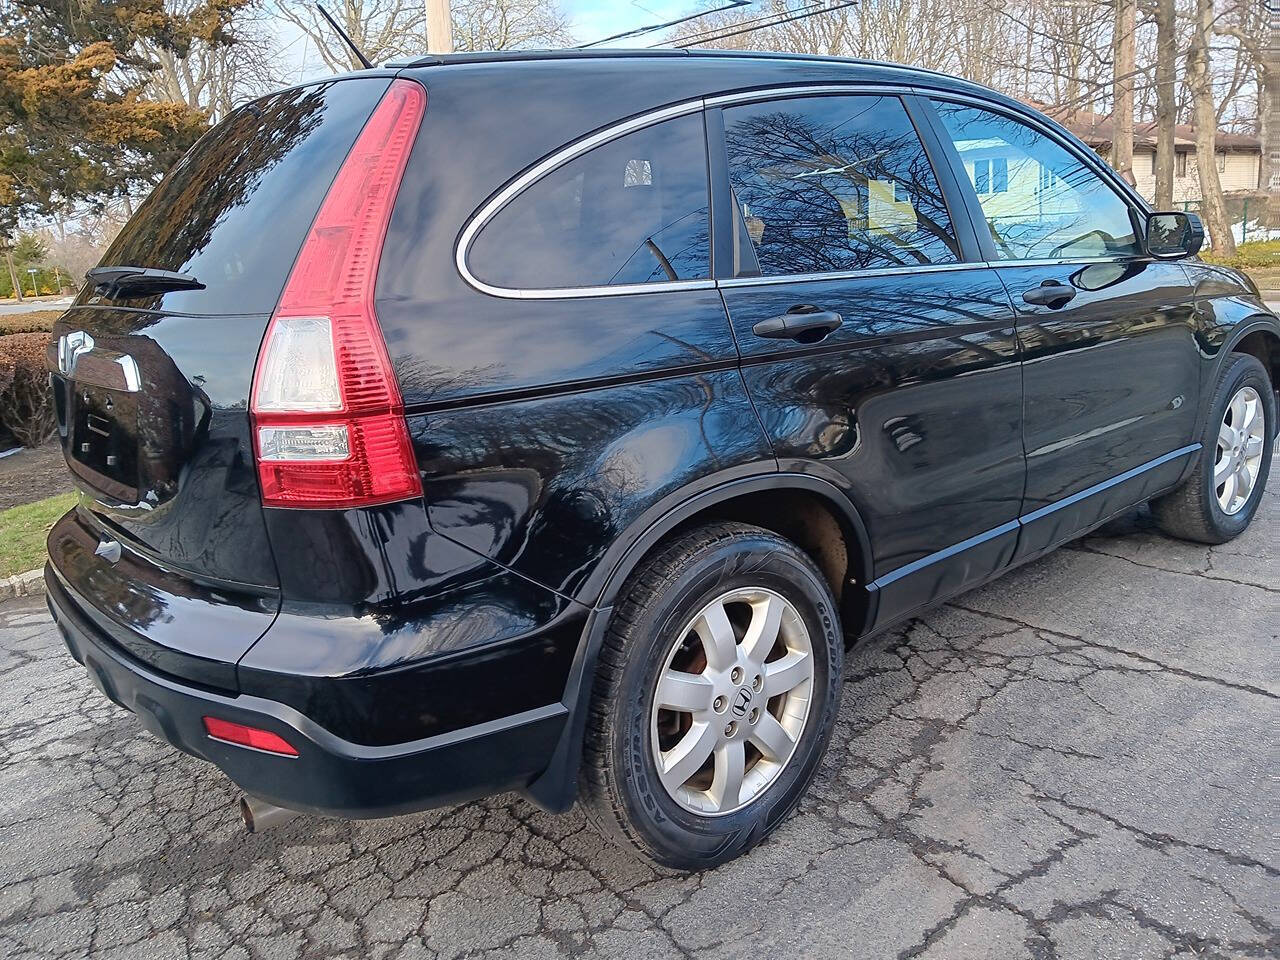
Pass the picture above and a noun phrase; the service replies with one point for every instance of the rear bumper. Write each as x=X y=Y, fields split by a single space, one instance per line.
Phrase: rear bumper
x=330 y=775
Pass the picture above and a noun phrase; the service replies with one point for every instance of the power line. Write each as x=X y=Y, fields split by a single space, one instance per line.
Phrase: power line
x=814 y=5
x=732 y=5
x=803 y=15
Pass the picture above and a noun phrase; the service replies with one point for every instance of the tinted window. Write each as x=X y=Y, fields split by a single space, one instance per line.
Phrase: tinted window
x=835 y=183
x=634 y=210
x=1040 y=201
x=234 y=210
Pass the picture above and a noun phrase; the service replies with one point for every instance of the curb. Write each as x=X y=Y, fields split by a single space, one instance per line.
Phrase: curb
x=29 y=584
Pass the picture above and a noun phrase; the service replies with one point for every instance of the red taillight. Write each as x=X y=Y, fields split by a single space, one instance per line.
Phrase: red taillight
x=328 y=421
x=243 y=736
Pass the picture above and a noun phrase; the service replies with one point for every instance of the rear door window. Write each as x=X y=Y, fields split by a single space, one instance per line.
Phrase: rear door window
x=835 y=183
x=634 y=210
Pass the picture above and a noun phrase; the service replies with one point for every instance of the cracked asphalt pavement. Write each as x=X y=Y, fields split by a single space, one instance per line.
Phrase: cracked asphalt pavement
x=1078 y=760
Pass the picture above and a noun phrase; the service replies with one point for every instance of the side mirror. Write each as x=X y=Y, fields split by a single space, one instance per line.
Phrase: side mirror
x=1171 y=236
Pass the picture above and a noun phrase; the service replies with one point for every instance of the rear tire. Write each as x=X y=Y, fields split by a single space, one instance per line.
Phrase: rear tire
x=664 y=696
x=1217 y=502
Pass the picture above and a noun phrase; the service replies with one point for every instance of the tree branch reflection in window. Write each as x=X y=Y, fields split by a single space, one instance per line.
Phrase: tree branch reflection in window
x=836 y=183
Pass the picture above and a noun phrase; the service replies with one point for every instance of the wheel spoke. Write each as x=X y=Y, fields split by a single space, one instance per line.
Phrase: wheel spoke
x=726 y=783
x=1226 y=438
x=1253 y=447
x=1248 y=415
x=787 y=674
x=1228 y=493
x=716 y=633
x=762 y=632
x=1239 y=408
x=684 y=759
x=685 y=692
x=1222 y=468
x=771 y=738
x=1244 y=481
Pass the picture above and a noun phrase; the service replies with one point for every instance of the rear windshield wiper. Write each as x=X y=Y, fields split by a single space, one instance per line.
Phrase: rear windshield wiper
x=139 y=281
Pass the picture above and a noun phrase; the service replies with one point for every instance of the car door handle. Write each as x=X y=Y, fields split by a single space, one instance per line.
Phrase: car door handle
x=806 y=324
x=1050 y=294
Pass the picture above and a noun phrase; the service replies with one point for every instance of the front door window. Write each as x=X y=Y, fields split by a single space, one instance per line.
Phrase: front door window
x=1040 y=202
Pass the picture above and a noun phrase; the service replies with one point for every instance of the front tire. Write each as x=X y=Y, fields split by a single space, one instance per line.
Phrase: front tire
x=716 y=693
x=1217 y=502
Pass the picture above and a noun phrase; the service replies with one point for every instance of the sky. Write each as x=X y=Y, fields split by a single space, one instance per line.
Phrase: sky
x=592 y=20
x=589 y=20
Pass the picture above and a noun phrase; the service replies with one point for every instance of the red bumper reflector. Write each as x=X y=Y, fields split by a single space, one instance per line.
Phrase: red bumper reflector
x=243 y=736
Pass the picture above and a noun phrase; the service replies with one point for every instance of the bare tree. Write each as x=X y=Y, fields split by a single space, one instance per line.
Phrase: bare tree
x=214 y=76
x=75 y=252
x=508 y=25
x=382 y=29
x=1245 y=22
x=1166 y=67
x=1271 y=139
x=1125 y=44
x=917 y=32
x=1200 y=82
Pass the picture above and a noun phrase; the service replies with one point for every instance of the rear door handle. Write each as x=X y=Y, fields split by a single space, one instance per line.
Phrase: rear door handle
x=1051 y=294
x=806 y=324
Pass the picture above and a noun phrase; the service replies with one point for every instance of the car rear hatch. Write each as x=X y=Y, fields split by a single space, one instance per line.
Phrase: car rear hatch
x=167 y=552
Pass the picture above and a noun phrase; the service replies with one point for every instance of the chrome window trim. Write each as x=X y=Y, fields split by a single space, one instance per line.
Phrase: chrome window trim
x=490 y=208
x=911 y=270
x=546 y=165
x=562 y=156
x=850 y=274
x=1066 y=261
x=851 y=88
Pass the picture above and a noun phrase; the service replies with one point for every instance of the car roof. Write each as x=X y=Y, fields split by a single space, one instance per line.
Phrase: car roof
x=761 y=66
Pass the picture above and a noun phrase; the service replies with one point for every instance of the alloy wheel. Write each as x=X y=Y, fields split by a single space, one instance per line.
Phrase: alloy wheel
x=1241 y=439
x=732 y=700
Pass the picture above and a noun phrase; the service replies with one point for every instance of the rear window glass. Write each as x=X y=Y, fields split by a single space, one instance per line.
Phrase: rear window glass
x=633 y=210
x=233 y=212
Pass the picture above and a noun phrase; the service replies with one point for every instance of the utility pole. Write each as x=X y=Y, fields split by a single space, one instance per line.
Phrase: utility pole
x=439 y=27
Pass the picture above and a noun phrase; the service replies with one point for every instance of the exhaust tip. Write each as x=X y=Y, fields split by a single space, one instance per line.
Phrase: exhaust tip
x=259 y=815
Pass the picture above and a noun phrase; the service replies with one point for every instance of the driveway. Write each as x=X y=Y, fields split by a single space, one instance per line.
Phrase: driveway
x=1076 y=761
x=30 y=306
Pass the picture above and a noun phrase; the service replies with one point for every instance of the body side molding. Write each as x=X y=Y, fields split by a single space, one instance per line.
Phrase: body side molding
x=1029 y=518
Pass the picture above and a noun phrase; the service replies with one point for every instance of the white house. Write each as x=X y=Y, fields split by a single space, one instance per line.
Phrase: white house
x=1239 y=156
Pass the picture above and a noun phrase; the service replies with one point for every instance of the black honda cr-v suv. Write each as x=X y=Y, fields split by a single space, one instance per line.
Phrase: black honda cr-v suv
x=550 y=422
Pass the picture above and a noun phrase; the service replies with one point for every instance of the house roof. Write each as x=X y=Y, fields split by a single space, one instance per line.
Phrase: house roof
x=1098 y=131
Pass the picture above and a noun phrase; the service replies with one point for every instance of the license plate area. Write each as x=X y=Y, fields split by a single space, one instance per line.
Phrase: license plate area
x=102 y=439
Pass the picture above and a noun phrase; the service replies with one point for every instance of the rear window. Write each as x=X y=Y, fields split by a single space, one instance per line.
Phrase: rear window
x=633 y=210
x=233 y=212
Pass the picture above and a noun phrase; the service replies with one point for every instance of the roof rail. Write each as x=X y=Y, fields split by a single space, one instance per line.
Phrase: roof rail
x=573 y=53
